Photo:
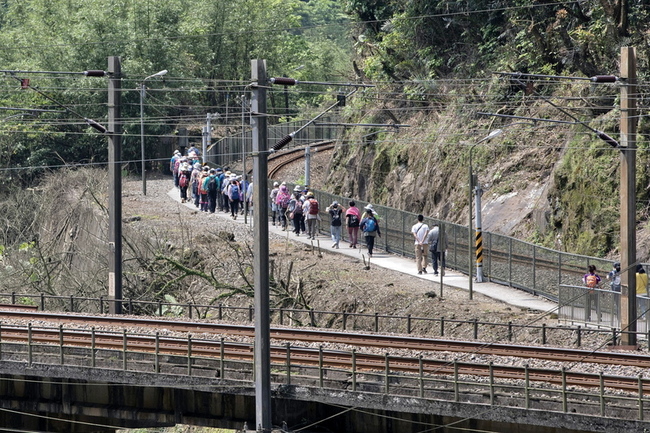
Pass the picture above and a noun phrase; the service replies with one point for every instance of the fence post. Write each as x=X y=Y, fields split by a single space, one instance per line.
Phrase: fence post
x=640 y=397
x=61 y=343
x=510 y=331
x=222 y=370
x=456 y=390
x=376 y=322
x=354 y=369
x=189 y=354
x=408 y=324
x=510 y=262
x=421 y=371
x=124 y=351
x=93 y=357
x=386 y=373
x=579 y=339
x=288 y=363
x=71 y=304
x=564 y=391
x=42 y=302
x=156 y=363
x=442 y=326
x=491 y=383
x=527 y=386
x=543 y=333
x=601 y=391
x=320 y=366
x=29 y=343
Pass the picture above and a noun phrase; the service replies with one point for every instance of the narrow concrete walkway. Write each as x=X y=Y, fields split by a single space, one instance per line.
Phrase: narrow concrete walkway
x=404 y=265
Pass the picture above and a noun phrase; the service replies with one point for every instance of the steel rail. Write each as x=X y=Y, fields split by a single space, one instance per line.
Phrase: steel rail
x=306 y=357
x=353 y=339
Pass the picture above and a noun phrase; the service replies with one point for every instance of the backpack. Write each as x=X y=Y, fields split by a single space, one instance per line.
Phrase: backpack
x=354 y=220
x=234 y=192
x=313 y=206
x=371 y=225
x=212 y=184
x=591 y=280
x=184 y=180
x=283 y=199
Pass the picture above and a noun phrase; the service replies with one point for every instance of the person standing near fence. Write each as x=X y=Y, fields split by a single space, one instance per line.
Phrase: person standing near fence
x=420 y=231
x=614 y=276
x=641 y=281
x=591 y=279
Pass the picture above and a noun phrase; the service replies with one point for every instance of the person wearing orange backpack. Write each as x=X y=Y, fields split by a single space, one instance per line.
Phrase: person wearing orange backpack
x=591 y=279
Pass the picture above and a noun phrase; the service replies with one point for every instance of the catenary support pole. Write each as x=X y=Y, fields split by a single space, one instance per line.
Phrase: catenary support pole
x=262 y=353
x=628 y=127
x=478 y=191
x=115 y=187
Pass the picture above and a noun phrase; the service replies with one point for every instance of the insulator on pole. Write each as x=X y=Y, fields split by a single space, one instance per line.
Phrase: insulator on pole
x=95 y=73
x=604 y=79
x=283 y=142
x=607 y=139
x=283 y=81
x=96 y=125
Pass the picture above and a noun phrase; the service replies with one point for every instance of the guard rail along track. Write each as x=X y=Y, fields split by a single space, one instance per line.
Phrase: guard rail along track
x=416 y=377
x=298 y=335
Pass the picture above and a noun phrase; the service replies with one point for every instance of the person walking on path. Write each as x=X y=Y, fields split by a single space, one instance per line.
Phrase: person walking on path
x=173 y=166
x=282 y=201
x=212 y=186
x=234 y=196
x=420 y=231
x=436 y=248
x=295 y=209
x=335 y=211
x=310 y=209
x=274 y=205
x=353 y=218
x=370 y=227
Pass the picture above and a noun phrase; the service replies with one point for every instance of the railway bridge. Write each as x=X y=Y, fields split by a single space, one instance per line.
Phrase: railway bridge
x=90 y=381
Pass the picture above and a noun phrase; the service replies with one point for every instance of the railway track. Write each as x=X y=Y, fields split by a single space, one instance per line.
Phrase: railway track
x=311 y=336
x=278 y=161
x=357 y=363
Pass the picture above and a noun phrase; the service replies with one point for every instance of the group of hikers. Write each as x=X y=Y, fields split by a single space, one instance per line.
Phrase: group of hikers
x=210 y=189
x=300 y=209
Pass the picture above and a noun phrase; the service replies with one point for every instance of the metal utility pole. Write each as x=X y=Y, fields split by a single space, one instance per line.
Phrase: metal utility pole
x=143 y=90
x=628 y=195
x=262 y=353
x=115 y=187
x=308 y=166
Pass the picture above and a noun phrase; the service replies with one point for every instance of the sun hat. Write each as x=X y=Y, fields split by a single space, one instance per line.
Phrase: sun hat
x=369 y=207
x=297 y=188
x=310 y=194
x=197 y=165
x=276 y=184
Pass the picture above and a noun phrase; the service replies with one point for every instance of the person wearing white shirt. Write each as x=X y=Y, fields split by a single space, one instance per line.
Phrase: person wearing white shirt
x=420 y=231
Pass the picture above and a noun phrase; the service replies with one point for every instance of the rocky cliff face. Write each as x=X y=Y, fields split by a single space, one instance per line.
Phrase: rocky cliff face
x=556 y=186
